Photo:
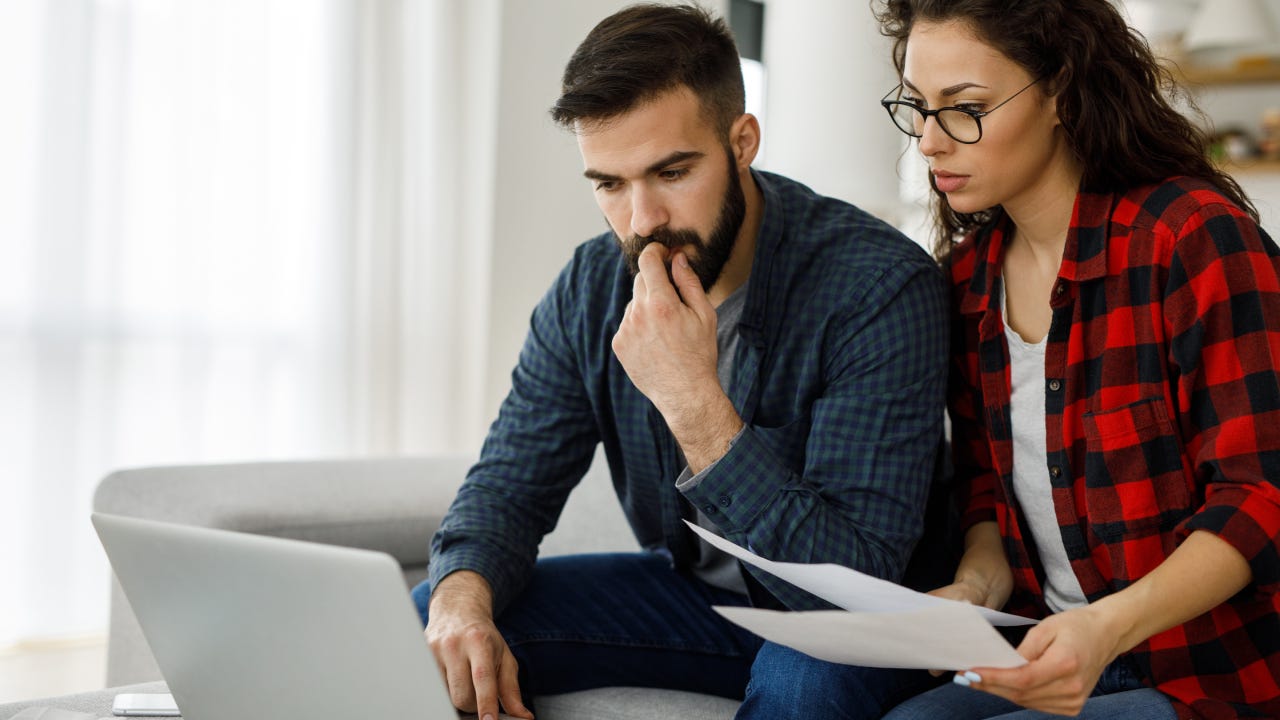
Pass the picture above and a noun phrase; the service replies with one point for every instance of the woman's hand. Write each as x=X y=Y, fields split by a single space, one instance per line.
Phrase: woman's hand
x=983 y=577
x=966 y=591
x=1066 y=654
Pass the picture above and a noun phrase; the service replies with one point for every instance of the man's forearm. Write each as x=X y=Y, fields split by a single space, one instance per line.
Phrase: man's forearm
x=705 y=429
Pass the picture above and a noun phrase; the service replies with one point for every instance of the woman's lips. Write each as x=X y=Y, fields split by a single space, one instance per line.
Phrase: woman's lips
x=949 y=183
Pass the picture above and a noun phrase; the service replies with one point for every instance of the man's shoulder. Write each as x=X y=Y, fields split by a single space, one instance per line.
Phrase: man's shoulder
x=596 y=264
x=836 y=231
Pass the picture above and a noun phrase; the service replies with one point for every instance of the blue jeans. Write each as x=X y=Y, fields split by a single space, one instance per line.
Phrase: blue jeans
x=1119 y=694
x=628 y=619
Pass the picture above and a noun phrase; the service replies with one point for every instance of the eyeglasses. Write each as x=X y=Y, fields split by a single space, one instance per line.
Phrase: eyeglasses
x=962 y=125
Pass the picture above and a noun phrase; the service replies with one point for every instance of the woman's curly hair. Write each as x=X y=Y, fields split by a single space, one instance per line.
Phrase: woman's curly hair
x=1113 y=95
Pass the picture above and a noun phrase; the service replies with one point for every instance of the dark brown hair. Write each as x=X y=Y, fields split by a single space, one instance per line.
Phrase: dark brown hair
x=1112 y=93
x=645 y=50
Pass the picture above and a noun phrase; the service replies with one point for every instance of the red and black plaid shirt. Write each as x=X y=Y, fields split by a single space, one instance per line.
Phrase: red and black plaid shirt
x=1162 y=405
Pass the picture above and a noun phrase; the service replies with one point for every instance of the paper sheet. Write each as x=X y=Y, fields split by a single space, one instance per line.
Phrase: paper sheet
x=945 y=637
x=852 y=590
x=882 y=625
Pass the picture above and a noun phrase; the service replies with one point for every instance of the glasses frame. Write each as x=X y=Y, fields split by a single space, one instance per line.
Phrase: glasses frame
x=977 y=115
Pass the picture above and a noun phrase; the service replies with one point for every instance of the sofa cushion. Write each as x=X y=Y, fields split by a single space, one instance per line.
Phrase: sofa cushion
x=628 y=703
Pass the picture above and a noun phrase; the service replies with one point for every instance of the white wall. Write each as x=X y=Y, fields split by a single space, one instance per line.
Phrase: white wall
x=827 y=66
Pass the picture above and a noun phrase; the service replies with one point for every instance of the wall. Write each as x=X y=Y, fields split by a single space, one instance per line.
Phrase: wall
x=827 y=66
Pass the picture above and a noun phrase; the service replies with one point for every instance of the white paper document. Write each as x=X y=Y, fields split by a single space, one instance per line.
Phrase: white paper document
x=887 y=625
x=947 y=637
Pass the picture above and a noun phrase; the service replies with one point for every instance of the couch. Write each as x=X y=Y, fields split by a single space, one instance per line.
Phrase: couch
x=392 y=505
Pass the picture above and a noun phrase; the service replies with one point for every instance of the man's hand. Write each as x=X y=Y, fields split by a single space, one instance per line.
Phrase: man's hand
x=1066 y=655
x=667 y=344
x=477 y=665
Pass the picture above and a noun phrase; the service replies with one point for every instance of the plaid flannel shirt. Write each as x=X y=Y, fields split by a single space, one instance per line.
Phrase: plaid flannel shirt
x=839 y=377
x=1162 y=417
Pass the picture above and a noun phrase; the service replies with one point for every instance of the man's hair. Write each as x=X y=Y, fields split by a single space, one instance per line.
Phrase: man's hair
x=1112 y=93
x=646 y=50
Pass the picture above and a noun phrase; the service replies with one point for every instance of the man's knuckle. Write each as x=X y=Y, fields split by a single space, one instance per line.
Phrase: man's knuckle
x=445 y=643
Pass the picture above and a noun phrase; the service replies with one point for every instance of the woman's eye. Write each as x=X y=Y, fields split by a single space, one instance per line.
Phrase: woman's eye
x=972 y=107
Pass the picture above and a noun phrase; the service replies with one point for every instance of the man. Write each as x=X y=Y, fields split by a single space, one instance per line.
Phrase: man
x=754 y=357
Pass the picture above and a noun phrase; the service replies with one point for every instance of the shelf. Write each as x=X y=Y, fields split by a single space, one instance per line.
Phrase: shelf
x=1251 y=74
x=1251 y=167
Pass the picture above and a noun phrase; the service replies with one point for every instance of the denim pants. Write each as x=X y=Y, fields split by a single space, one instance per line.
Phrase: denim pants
x=1119 y=694
x=629 y=619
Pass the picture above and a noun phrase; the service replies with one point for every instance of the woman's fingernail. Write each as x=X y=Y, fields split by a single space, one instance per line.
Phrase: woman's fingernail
x=960 y=680
x=972 y=676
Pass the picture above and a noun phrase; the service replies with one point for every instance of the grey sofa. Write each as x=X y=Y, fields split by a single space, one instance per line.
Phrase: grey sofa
x=391 y=505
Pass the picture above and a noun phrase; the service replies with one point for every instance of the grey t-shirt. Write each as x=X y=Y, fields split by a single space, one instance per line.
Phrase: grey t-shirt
x=715 y=567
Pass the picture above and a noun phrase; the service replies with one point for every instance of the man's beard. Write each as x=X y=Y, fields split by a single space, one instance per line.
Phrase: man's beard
x=711 y=254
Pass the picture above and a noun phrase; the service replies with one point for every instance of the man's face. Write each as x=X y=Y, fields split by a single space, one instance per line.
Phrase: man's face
x=662 y=174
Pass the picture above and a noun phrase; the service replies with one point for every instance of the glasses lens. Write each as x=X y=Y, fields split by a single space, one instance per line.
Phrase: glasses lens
x=959 y=125
x=907 y=118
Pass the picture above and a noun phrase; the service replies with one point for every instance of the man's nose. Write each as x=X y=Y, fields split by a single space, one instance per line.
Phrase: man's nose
x=648 y=211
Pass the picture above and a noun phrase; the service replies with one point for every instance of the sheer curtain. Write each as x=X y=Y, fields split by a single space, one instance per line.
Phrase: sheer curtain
x=229 y=230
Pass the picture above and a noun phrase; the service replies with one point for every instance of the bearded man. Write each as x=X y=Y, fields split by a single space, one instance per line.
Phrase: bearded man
x=756 y=358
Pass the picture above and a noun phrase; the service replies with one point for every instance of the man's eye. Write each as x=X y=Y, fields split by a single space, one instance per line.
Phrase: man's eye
x=673 y=174
x=606 y=186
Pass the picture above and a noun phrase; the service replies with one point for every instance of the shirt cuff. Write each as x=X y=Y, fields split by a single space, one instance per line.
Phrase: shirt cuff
x=688 y=481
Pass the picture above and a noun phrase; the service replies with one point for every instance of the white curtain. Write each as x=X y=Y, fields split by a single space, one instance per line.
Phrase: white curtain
x=229 y=230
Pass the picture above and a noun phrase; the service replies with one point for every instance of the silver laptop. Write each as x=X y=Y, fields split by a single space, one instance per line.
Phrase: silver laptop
x=246 y=626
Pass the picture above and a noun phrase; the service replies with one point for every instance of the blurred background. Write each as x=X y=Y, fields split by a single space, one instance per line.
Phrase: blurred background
x=279 y=229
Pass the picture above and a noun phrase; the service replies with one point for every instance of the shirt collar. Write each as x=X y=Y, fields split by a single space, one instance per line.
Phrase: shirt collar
x=1083 y=258
x=768 y=238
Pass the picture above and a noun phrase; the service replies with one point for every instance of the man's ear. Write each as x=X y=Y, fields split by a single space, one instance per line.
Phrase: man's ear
x=744 y=140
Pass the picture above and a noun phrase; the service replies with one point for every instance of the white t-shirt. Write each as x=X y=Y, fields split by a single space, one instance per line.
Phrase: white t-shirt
x=1031 y=482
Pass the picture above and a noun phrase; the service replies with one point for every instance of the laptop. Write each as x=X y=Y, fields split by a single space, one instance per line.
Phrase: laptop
x=247 y=626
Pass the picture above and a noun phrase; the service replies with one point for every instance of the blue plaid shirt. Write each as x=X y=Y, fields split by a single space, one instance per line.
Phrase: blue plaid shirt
x=839 y=377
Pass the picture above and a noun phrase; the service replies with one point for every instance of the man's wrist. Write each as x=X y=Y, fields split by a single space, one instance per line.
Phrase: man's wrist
x=463 y=588
x=706 y=430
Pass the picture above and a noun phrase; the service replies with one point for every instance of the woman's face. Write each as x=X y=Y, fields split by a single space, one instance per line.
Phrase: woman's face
x=948 y=66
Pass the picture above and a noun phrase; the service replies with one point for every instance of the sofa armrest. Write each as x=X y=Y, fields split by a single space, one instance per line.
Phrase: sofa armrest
x=392 y=505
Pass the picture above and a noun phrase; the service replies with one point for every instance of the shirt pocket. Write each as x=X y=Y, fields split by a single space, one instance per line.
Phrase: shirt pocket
x=1135 y=480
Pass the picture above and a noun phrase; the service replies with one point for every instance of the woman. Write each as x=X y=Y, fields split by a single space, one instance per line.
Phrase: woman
x=1115 y=405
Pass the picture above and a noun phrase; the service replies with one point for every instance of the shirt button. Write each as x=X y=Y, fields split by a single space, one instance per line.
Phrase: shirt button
x=725 y=501
x=1062 y=287
x=1055 y=385
x=1055 y=471
x=709 y=509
